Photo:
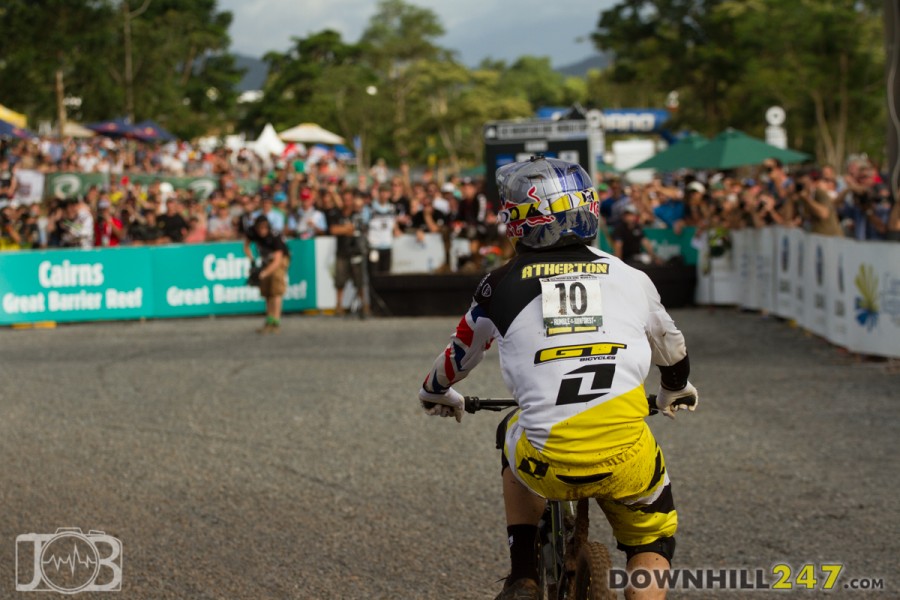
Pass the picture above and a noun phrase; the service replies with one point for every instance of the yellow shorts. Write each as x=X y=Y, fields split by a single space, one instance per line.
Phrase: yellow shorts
x=632 y=487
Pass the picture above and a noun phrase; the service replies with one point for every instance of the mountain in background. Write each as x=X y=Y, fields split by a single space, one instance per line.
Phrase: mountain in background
x=255 y=69
x=581 y=68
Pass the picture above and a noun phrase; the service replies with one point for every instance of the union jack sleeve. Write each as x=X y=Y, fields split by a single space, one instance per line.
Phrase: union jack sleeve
x=474 y=334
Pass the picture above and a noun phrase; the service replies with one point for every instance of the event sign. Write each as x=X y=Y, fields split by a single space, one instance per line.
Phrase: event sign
x=201 y=186
x=67 y=185
x=75 y=285
x=873 y=281
x=211 y=279
x=784 y=273
x=143 y=282
x=30 y=187
x=838 y=299
x=815 y=304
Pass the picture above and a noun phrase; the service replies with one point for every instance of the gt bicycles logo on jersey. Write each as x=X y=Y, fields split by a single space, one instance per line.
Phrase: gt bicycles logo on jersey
x=603 y=349
x=585 y=384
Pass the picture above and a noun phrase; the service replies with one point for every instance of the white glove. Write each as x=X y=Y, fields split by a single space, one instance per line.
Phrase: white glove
x=448 y=404
x=668 y=401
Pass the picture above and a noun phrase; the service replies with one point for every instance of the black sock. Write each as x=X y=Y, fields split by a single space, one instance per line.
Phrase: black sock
x=522 y=551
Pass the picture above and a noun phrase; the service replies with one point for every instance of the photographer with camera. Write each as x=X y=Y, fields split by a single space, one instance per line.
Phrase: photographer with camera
x=271 y=275
x=817 y=203
x=870 y=205
x=108 y=229
x=346 y=224
x=73 y=225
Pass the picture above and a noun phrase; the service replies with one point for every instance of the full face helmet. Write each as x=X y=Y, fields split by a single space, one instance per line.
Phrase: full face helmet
x=547 y=203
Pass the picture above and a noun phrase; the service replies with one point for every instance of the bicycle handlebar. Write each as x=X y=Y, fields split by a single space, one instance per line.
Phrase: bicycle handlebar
x=474 y=404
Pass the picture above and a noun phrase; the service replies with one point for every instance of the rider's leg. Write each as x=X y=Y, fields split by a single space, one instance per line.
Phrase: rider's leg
x=652 y=563
x=523 y=512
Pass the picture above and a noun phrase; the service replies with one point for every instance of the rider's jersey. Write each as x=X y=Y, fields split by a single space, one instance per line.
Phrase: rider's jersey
x=577 y=330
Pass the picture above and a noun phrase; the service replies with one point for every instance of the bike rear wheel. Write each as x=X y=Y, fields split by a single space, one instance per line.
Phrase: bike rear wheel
x=592 y=573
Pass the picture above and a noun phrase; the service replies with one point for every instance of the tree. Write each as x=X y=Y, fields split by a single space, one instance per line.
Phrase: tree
x=398 y=36
x=39 y=40
x=665 y=45
x=182 y=74
x=731 y=59
x=823 y=63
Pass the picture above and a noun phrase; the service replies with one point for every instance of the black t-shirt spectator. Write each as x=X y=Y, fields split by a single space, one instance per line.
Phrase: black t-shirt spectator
x=632 y=239
x=418 y=219
x=172 y=226
x=347 y=245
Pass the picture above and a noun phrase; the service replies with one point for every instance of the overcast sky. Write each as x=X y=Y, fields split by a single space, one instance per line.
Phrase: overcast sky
x=476 y=29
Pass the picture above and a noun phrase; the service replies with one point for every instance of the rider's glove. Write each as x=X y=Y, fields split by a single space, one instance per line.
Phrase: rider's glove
x=448 y=404
x=669 y=401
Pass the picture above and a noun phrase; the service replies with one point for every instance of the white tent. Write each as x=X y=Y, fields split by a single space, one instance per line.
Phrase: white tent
x=268 y=143
x=310 y=133
x=75 y=130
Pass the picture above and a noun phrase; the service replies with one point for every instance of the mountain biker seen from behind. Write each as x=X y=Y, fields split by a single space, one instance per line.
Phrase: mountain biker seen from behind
x=577 y=331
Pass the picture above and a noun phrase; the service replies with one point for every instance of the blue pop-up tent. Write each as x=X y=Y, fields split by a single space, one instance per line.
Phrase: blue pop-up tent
x=9 y=130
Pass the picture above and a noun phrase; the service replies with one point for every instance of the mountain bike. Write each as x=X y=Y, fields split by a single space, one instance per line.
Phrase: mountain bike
x=570 y=567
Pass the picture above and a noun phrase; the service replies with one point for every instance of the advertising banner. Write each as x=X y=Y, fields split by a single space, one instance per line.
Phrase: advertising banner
x=66 y=185
x=743 y=246
x=873 y=282
x=412 y=256
x=31 y=186
x=211 y=279
x=765 y=268
x=201 y=186
x=668 y=245
x=150 y=282
x=816 y=306
x=717 y=276
x=798 y=264
x=837 y=297
x=784 y=273
x=75 y=285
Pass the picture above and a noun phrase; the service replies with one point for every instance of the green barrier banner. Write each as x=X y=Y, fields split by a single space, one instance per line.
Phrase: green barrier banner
x=666 y=244
x=248 y=186
x=211 y=279
x=75 y=285
x=72 y=184
x=150 y=282
x=202 y=186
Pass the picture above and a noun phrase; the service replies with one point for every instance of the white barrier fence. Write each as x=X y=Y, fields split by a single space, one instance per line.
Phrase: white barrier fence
x=843 y=290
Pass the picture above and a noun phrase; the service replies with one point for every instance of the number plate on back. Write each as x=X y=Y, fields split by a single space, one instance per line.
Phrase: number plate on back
x=571 y=304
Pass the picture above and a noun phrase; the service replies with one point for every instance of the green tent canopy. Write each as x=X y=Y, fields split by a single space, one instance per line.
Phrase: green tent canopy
x=733 y=148
x=677 y=156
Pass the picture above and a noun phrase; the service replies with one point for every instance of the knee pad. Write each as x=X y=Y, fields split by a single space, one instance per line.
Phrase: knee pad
x=664 y=546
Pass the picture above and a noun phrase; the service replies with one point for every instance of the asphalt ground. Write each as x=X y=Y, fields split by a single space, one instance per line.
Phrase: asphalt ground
x=299 y=466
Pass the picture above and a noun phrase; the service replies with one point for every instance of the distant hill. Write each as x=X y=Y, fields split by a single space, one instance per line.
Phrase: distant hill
x=581 y=68
x=255 y=71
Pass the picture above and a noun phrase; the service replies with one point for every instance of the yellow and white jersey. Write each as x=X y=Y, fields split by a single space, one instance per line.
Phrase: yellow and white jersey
x=577 y=330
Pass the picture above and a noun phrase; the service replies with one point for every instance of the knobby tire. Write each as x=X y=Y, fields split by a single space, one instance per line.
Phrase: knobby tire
x=592 y=573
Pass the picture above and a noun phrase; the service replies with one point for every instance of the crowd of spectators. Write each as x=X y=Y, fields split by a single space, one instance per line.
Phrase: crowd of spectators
x=303 y=198
x=858 y=204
